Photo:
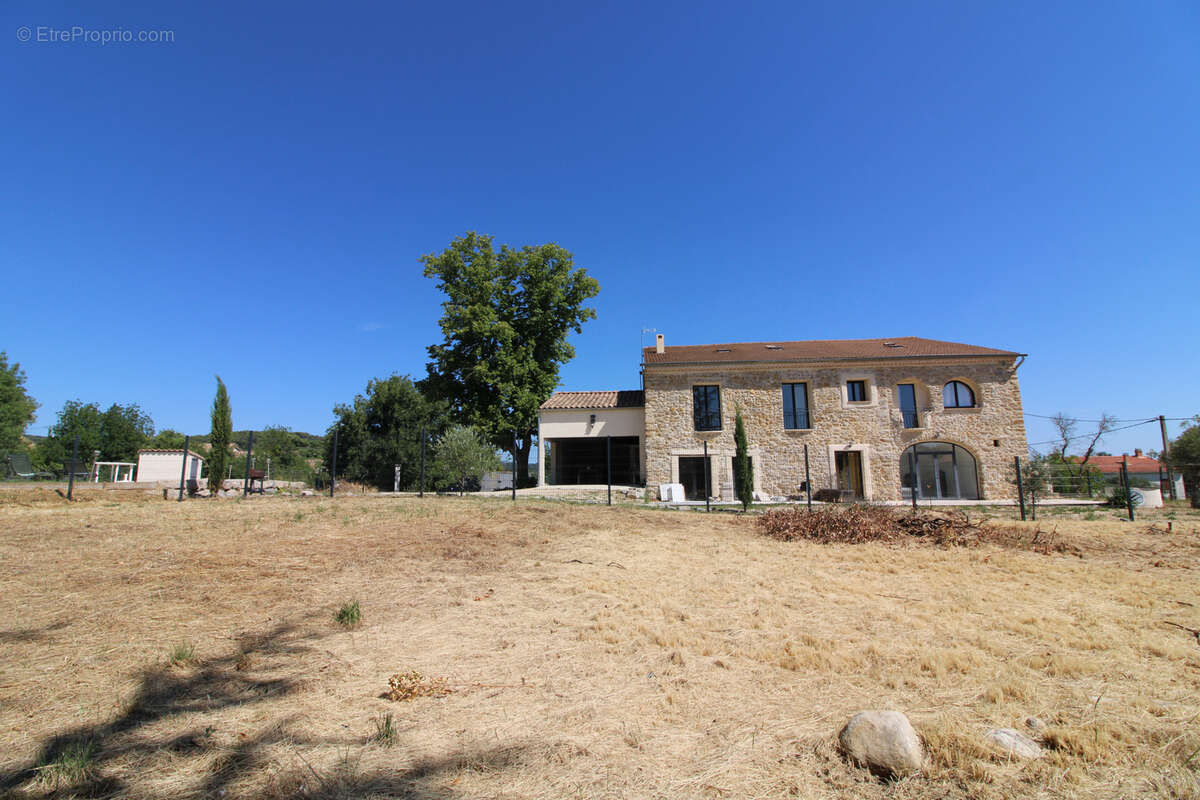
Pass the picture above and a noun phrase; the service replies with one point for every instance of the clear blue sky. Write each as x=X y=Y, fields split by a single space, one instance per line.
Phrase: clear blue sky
x=1016 y=175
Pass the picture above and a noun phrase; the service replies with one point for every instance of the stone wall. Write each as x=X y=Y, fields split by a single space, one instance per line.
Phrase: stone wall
x=993 y=431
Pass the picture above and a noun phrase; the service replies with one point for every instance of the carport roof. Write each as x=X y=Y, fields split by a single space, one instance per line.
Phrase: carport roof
x=632 y=398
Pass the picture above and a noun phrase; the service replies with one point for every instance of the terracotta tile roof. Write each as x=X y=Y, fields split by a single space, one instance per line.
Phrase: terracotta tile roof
x=1111 y=465
x=622 y=399
x=819 y=350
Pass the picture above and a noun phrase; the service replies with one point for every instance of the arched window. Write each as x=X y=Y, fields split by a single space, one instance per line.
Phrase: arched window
x=958 y=395
x=939 y=471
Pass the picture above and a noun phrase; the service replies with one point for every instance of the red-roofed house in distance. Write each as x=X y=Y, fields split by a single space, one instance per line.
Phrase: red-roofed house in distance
x=1143 y=470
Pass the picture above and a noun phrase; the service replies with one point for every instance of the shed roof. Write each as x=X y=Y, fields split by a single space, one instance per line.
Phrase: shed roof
x=170 y=450
x=631 y=398
x=820 y=350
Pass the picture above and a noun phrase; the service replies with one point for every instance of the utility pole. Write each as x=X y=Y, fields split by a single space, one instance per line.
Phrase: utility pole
x=1164 y=457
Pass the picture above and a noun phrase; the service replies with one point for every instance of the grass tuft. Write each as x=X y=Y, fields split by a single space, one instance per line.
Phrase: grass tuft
x=385 y=731
x=349 y=615
x=70 y=766
x=183 y=653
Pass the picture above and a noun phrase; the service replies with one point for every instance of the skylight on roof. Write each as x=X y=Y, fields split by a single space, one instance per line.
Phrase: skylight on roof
x=724 y=350
x=774 y=347
x=892 y=344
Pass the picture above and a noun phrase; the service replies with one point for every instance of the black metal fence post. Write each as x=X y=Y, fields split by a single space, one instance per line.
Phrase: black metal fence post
x=333 y=466
x=912 y=466
x=608 y=447
x=246 y=476
x=421 y=488
x=187 y=440
x=1125 y=483
x=807 y=479
x=1020 y=486
x=707 y=480
x=71 y=477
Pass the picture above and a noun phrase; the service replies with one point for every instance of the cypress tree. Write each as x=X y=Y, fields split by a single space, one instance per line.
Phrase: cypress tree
x=219 y=438
x=743 y=471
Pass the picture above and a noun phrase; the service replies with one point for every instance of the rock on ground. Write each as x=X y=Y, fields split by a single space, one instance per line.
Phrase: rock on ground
x=883 y=742
x=1013 y=743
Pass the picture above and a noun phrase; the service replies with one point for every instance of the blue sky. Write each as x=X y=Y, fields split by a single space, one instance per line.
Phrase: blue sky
x=251 y=198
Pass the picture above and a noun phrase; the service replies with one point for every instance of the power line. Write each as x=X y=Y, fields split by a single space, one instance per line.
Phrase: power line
x=1153 y=418
x=1088 y=435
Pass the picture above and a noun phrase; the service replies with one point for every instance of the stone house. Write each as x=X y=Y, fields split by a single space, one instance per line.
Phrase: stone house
x=877 y=417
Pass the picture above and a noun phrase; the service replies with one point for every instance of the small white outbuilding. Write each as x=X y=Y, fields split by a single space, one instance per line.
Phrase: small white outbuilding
x=164 y=465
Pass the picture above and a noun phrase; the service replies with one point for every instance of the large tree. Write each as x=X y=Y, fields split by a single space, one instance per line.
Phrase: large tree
x=218 y=439
x=381 y=430
x=117 y=434
x=504 y=325
x=16 y=406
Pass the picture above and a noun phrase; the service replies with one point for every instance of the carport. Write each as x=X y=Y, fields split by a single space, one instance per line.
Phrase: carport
x=576 y=431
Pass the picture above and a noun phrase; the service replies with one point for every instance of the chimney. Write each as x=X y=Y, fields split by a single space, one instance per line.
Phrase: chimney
x=659 y=345
x=1137 y=453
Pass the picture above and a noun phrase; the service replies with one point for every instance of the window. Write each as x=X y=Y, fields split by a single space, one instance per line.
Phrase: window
x=856 y=391
x=958 y=395
x=938 y=471
x=908 y=405
x=795 y=406
x=706 y=408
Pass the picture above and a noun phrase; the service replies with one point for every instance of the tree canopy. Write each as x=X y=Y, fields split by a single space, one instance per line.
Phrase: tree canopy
x=504 y=324
x=16 y=406
x=382 y=429
x=117 y=434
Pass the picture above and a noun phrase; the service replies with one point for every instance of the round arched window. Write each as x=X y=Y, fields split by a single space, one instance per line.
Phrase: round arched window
x=958 y=395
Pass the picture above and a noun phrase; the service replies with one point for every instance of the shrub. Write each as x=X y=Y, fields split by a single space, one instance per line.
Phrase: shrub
x=349 y=615
x=1119 y=499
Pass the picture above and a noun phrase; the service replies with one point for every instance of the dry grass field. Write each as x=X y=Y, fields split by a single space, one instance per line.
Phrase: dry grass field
x=162 y=650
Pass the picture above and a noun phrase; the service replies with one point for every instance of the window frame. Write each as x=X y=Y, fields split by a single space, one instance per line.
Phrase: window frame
x=905 y=413
x=708 y=411
x=862 y=383
x=957 y=404
x=794 y=412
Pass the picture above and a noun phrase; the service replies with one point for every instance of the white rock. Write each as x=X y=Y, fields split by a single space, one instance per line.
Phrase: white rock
x=1013 y=743
x=883 y=742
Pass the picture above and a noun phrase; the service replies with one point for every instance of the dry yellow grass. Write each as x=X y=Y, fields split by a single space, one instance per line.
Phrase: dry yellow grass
x=589 y=652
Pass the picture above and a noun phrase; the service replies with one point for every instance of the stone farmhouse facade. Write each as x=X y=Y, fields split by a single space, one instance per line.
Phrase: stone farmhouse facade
x=875 y=418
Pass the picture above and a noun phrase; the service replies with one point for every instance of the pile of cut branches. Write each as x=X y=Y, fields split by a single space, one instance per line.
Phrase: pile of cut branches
x=853 y=524
x=857 y=524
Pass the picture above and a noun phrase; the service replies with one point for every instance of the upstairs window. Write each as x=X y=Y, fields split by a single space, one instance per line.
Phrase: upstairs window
x=908 y=405
x=958 y=395
x=795 y=406
x=856 y=391
x=706 y=408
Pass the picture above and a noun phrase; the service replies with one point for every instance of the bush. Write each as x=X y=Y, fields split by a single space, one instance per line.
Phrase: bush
x=349 y=615
x=1118 y=498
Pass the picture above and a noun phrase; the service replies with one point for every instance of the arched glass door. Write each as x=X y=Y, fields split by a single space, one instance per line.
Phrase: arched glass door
x=938 y=471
